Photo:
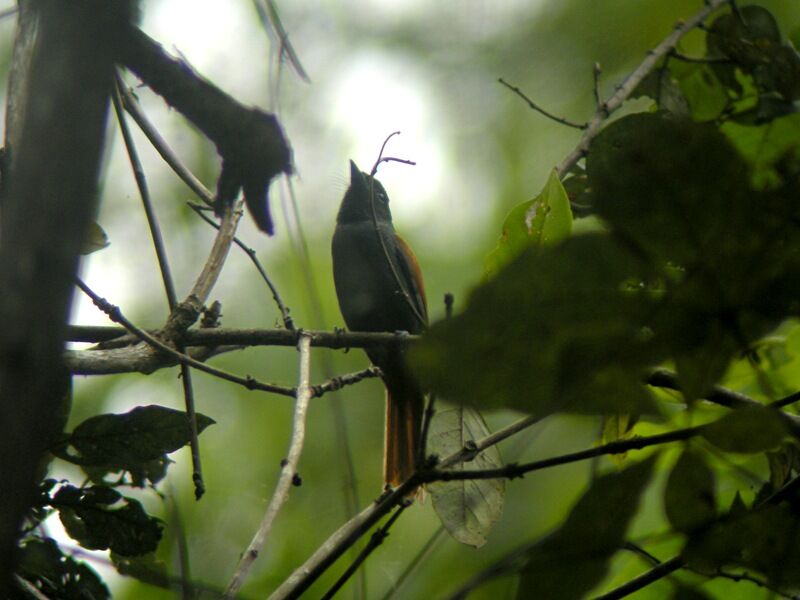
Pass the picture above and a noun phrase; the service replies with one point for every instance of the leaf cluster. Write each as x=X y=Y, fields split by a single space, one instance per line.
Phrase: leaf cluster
x=97 y=515
x=685 y=252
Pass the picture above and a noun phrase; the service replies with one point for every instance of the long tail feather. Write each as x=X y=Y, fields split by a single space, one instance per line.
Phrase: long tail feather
x=404 y=407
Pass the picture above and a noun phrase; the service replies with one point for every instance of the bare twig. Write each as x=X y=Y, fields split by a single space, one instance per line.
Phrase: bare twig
x=288 y=322
x=514 y=470
x=605 y=109
x=596 y=71
x=539 y=109
x=660 y=571
x=268 y=14
x=166 y=277
x=288 y=469
x=334 y=384
x=338 y=543
x=131 y=105
x=115 y=314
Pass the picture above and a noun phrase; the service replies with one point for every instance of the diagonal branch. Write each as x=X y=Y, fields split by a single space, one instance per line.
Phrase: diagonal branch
x=605 y=109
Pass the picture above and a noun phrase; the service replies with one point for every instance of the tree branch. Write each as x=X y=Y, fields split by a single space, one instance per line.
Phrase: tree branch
x=288 y=473
x=605 y=109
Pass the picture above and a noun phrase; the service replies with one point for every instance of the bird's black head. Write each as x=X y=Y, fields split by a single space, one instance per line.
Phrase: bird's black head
x=357 y=202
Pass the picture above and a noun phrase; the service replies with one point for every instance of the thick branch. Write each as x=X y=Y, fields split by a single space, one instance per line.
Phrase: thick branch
x=63 y=68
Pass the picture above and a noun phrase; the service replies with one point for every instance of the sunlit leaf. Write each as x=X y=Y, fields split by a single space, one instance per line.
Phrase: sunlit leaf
x=467 y=509
x=544 y=220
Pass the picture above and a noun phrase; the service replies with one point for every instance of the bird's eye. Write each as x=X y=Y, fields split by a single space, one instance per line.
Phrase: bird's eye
x=381 y=196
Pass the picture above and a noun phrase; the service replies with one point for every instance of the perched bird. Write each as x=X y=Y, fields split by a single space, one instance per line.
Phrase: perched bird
x=379 y=286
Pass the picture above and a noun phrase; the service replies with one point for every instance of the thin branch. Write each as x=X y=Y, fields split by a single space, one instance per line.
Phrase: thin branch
x=288 y=322
x=664 y=378
x=288 y=469
x=539 y=109
x=115 y=314
x=470 y=451
x=596 y=71
x=660 y=571
x=270 y=20
x=166 y=277
x=514 y=470
x=338 y=543
x=188 y=311
x=334 y=384
x=699 y=59
x=374 y=541
x=605 y=109
x=131 y=105
x=144 y=193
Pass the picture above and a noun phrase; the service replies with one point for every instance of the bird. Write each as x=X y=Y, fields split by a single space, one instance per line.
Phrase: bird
x=380 y=288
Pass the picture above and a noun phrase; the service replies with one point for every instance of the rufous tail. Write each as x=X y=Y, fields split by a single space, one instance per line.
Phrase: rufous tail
x=404 y=407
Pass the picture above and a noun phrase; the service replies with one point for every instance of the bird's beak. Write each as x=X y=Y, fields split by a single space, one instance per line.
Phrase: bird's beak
x=356 y=176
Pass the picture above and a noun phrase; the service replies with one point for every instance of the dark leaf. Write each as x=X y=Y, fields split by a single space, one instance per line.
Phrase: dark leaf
x=575 y=558
x=467 y=509
x=766 y=540
x=663 y=88
x=558 y=329
x=55 y=575
x=88 y=516
x=689 y=498
x=747 y=430
x=145 y=568
x=136 y=441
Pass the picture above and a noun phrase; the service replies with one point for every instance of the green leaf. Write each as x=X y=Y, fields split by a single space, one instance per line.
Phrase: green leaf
x=94 y=239
x=705 y=95
x=56 y=575
x=662 y=87
x=689 y=499
x=575 y=558
x=684 y=592
x=558 y=329
x=764 y=146
x=617 y=426
x=765 y=540
x=546 y=219
x=467 y=509
x=747 y=430
x=137 y=441
x=88 y=517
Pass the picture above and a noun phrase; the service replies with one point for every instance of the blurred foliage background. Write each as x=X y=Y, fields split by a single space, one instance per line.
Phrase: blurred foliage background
x=430 y=70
